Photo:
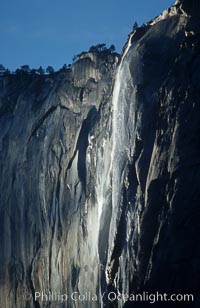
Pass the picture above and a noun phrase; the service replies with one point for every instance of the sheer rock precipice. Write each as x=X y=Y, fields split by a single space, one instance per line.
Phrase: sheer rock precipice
x=100 y=172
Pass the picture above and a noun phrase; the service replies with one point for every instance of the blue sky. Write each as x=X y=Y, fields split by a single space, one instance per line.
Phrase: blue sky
x=47 y=32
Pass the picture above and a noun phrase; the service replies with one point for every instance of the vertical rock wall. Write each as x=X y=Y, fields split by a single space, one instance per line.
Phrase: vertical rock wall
x=99 y=187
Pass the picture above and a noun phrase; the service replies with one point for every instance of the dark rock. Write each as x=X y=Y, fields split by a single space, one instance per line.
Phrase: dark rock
x=100 y=173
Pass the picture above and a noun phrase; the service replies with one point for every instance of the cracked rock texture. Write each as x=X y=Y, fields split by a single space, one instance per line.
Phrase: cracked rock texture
x=100 y=172
x=47 y=179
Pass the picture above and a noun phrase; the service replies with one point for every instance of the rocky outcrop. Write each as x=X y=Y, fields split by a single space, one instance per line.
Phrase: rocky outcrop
x=188 y=7
x=155 y=247
x=48 y=170
x=99 y=165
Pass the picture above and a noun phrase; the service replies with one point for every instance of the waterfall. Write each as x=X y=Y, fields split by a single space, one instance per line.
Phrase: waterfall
x=110 y=158
x=121 y=139
x=113 y=155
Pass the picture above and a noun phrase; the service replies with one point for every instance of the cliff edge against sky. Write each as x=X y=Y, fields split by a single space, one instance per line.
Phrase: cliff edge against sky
x=100 y=174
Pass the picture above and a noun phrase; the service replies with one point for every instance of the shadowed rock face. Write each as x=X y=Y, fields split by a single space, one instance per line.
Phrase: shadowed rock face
x=51 y=129
x=190 y=7
x=100 y=173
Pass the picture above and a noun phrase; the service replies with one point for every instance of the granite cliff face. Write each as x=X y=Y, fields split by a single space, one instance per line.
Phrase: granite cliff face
x=100 y=173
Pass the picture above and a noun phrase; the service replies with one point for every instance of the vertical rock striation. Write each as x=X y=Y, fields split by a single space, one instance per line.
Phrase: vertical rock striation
x=154 y=245
x=51 y=131
x=100 y=173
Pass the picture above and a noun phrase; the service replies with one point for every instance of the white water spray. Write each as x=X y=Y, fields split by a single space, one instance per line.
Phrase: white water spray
x=113 y=155
x=120 y=136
